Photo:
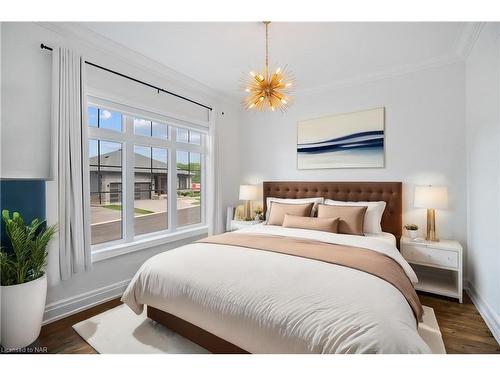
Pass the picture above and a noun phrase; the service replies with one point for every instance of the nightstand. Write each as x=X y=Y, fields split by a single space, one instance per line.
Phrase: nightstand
x=438 y=265
x=240 y=224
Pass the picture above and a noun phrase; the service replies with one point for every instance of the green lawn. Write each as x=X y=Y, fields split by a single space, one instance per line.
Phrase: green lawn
x=118 y=207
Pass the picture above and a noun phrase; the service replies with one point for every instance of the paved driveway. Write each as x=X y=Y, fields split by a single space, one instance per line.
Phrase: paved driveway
x=107 y=223
x=111 y=230
x=102 y=214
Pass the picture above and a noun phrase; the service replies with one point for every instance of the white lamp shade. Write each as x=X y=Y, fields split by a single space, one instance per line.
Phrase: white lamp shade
x=431 y=197
x=248 y=192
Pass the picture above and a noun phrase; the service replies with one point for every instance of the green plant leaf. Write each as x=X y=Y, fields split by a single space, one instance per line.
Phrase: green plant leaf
x=28 y=258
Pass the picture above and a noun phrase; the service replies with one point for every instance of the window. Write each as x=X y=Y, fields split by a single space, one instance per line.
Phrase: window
x=150 y=189
x=188 y=136
x=150 y=128
x=129 y=162
x=104 y=119
x=105 y=162
x=188 y=187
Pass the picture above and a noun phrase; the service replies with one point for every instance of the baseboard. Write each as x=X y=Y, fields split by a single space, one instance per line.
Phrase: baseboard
x=65 y=307
x=489 y=315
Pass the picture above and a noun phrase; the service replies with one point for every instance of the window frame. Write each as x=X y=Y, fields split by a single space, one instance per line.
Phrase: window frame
x=128 y=139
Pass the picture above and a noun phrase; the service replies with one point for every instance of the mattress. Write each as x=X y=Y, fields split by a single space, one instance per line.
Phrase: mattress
x=267 y=302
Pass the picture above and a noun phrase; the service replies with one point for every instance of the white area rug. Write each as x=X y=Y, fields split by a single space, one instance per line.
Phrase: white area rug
x=430 y=332
x=120 y=331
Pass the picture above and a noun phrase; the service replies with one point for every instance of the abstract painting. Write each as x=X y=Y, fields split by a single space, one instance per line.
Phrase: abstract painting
x=347 y=140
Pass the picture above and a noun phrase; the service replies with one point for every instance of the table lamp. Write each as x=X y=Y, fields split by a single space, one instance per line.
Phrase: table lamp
x=248 y=193
x=431 y=198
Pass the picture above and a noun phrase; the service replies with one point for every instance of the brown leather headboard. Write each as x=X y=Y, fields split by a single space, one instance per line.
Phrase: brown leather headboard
x=390 y=192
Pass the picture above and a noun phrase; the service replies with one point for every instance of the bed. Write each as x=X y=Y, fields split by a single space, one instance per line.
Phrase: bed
x=236 y=298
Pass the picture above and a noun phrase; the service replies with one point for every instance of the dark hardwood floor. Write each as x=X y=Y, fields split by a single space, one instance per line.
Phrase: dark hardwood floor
x=60 y=337
x=462 y=328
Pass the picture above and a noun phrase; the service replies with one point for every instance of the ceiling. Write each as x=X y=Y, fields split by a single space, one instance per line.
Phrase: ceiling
x=216 y=54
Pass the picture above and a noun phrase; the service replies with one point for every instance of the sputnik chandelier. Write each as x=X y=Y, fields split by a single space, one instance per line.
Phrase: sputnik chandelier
x=265 y=90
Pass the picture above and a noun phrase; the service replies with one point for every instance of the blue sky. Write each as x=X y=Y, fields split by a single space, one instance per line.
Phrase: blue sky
x=107 y=119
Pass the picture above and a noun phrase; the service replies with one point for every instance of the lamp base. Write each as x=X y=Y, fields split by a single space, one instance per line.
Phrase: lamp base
x=248 y=211
x=431 y=226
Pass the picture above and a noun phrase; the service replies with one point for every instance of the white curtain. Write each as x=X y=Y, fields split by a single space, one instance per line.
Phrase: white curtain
x=68 y=111
x=214 y=179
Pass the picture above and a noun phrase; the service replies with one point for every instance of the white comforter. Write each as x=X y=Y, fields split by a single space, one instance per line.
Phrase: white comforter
x=266 y=302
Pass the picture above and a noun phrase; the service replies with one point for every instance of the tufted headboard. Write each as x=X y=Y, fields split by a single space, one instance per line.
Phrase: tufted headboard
x=390 y=192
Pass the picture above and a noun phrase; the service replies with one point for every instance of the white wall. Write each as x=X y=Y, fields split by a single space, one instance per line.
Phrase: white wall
x=483 y=174
x=231 y=155
x=26 y=139
x=424 y=141
x=25 y=117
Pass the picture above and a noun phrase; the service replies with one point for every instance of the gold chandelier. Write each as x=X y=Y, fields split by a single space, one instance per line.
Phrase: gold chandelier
x=268 y=90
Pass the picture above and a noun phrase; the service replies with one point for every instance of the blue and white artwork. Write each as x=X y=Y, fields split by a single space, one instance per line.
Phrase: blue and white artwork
x=347 y=140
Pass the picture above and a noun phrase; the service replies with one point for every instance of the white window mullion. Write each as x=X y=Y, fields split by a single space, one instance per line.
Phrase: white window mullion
x=129 y=181
x=106 y=135
x=172 y=183
x=203 y=180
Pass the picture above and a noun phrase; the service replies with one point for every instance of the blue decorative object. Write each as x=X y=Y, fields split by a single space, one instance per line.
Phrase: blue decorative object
x=24 y=196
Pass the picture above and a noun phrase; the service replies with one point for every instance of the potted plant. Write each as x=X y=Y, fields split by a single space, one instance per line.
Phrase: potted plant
x=412 y=230
x=258 y=213
x=23 y=280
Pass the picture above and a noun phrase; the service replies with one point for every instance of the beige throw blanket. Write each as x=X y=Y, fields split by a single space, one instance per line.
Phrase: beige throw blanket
x=358 y=258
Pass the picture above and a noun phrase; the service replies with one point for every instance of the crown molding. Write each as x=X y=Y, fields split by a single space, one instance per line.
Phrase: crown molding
x=465 y=43
x=101 y=44
x=437 y=62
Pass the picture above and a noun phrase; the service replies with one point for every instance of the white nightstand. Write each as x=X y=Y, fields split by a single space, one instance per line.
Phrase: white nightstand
x=240 y=224
x=438 y=265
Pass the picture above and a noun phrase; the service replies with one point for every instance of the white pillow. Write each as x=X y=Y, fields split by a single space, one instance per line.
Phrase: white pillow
x=316 y=201
x=373 y=215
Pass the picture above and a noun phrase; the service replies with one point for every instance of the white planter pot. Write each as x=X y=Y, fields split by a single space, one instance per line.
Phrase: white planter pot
x=412 y=233
x=22 y=312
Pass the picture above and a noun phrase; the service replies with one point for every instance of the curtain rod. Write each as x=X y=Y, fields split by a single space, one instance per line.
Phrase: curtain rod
x=43 y=46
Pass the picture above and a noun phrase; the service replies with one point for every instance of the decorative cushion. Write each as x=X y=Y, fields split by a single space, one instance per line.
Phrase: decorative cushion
x=277 y=211
x=316 y=201
x=373 y=216
x=351 y=217
x=314 y=223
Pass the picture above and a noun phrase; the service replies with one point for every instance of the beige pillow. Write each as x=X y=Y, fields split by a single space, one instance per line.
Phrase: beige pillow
x=373 y=216
x=351 y=217
x=326 y=224
x=316 y=201
x=279 y=210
